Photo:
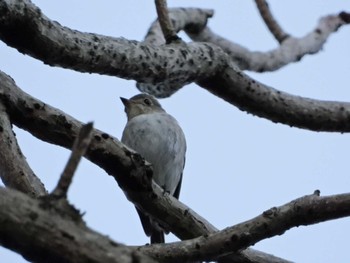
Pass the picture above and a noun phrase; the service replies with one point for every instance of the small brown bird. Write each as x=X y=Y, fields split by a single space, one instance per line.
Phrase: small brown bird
x=157 y=136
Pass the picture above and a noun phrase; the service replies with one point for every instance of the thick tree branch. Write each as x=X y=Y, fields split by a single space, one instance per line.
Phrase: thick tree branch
x=24 y=218
x=23 y=26
x=307 y=210
x=275 y=29
x=127 y=167
x=14 y=169
x=169 y=66
x=291 y=50
x=190 y=18
x=277 y=106
x=221 y=78
x=165 y=22
x=35 y=230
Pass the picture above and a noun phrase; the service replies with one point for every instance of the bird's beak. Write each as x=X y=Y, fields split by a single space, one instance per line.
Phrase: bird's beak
x=125 y=101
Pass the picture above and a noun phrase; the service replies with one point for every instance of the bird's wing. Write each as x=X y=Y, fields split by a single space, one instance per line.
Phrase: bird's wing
x=178 y=188
x=156 y=234
x=145 y=221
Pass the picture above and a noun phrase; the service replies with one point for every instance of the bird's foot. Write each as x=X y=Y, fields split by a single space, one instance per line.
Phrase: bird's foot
x=165 y=192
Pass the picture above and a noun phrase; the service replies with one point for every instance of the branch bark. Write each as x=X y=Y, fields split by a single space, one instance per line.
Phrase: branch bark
x=310 y=209
x=165 y=22
x=55 y=237
x=24 y=27
x=280 y=107
x=275 y=29
x=15 y=172
x=33 y=228
x=192 y=19
x=171 y=66
x=292 y=49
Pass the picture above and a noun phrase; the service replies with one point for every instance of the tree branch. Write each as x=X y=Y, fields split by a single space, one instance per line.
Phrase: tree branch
x=256 y=98
x=23 y=109
x=127 y=167
x=194 y=19
x=24 y=219
x=291 y=50
x=40 y=234
x=307 y=210
x=165 y=22
x=275 y=29
x=14 y=169
x=169 y=66
x=190 y=18
x=80 y=146
x=23 y=26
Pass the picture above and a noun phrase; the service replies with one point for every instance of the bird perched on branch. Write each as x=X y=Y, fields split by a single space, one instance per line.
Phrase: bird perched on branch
x=157 y=136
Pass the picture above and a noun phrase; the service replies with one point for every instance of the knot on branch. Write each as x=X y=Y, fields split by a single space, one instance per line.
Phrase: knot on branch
x=62 y=207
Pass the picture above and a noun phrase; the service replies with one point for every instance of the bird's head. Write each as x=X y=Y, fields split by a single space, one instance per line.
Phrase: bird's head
x=141 y=104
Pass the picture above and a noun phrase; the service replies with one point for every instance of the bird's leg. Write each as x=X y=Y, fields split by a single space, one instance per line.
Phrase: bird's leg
x=165 y=192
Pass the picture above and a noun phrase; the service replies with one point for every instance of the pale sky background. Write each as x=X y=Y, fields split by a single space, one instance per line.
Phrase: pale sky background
x=237 y=165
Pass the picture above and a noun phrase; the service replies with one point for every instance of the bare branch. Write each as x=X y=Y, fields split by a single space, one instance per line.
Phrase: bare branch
x=172 y=66
x=127 y=167
x=270 y=21
x=247 y=94
x=36 y=215
x=307 y=210
x=193 y=19
x=240 y=90
x=14 y=169
x=256 y=98
x=165 y=22
x=80 y=146
x=291 y=50
x=33 y=229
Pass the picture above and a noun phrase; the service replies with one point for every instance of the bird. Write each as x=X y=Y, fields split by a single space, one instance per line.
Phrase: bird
x=158 y=137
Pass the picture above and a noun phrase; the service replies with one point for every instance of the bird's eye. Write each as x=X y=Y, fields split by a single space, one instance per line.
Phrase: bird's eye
x=147 y=102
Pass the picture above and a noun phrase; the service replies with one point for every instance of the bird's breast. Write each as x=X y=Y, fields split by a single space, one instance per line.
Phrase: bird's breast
x=160 y=140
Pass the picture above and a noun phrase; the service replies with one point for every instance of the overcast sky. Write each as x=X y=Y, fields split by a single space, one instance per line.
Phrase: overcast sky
x=237 y=165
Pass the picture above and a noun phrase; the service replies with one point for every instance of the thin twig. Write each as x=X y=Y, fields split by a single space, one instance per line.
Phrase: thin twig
x=275 y=29
x=165 y=22
x=80 y=146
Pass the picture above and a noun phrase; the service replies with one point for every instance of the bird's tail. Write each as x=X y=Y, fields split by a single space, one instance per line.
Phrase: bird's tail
x=157 y=236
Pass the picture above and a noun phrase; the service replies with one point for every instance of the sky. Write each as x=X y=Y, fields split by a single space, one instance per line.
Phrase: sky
x=237 y=165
